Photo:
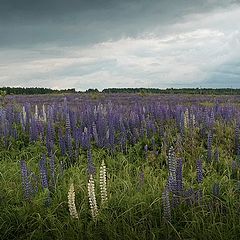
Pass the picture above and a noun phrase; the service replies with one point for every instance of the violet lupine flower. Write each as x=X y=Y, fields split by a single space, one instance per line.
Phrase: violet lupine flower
x=237 y=144
x=172 y=163
x=52 y=169
x=68 y=126
x=44 y=179
x=209 y=147
x=181 y=124
x=171 y=184
x=62 y=142
x=69 y=142
x=90 y=165
x=95 y=134
x=27 y=187
x=43 y=172
x=199 y=171
x=166 y=204
x=85 y=139
x=179 y=177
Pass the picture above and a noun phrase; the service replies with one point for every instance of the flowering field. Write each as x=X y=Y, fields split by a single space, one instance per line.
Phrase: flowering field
x=120 y=166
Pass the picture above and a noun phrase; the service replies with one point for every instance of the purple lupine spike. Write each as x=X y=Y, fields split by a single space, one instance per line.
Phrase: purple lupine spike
x=209 y=147
x=62 y=142
x=111 y=133
x=44 y=179
x=90 y=165
x=85 y=139
x=27 y=187
x=52 y=170
x=68 y=126
x=95 y=134
x=237 y=135
x=43 y=172
x=166 y=204
x=179 y=177
x=172 y=163
x=182 y=127
x=69 y=143
x=199 y=171
x=171 y=184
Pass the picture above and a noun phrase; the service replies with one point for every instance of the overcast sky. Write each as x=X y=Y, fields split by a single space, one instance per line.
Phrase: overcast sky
x=102 y=43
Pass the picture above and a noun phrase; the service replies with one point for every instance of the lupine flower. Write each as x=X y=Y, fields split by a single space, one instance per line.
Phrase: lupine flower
x=71 y=202
x=92 y=198
x=186 y=119
x=172 y=163
x=209 y=147
x=103 y=183
x=52 y=169
x=171 y=184
x=166 y=204
x=44 y=113
x=43 y=172
x=179 y=176
x=68 y=126
x=36 y=112
x=95 y=134
x=237 y=133
x=199 y=171
x=27 y=187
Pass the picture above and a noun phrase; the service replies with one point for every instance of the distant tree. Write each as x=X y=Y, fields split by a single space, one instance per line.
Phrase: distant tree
x=91 y=90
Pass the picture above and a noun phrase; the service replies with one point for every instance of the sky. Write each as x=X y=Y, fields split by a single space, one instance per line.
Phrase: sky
x=101 y=44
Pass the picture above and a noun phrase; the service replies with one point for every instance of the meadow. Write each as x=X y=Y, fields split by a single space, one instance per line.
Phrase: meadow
x=119 y=166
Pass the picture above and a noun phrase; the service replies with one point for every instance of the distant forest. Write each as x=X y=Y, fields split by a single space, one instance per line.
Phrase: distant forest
x=37 y=90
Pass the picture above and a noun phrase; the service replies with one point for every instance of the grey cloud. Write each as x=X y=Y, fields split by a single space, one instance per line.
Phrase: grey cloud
x=28 y=23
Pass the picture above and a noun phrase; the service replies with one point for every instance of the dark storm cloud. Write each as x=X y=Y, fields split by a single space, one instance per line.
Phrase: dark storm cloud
x=64 y=22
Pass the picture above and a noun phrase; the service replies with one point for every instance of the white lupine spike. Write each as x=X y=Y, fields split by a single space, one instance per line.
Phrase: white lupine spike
x=36 y=112
x=71 y=202
x=92 y=198
x=103 y=183
x=44 y=113
x=193 y=119
x=24 y=114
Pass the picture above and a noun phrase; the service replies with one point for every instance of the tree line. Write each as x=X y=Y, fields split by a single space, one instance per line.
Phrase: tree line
x=38 y=90
x=207 y=91
x=32 y=90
